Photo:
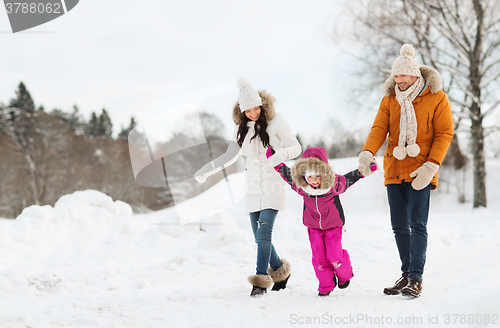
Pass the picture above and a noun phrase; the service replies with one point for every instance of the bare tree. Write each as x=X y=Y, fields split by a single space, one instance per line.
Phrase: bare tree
x=460 y=38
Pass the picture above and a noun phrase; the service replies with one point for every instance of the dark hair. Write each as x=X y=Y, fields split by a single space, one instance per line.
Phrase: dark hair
x=260 y=129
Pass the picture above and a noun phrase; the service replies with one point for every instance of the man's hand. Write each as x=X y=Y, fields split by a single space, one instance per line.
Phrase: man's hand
x=423 y=175
x=366 y=159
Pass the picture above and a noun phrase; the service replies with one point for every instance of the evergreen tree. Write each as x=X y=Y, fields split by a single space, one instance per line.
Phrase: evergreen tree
x=74 y=120
x=23 y=100
x=92 y=127
x=24 y=133
x=105 y=125
x=123 y=135
x=2 y=117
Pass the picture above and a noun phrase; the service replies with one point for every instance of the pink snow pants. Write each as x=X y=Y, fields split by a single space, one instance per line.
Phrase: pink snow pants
x=328 y=257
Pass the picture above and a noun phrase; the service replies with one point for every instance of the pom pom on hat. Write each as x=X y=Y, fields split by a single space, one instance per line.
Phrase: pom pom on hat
x=248 y=97
x=242 y=83
x=406 y=64
x=407 y=49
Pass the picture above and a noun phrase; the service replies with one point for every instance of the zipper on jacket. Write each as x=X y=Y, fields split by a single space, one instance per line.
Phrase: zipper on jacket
x=317 y=209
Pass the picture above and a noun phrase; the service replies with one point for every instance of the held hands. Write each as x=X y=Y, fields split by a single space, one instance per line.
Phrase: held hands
x=271 y=153
x=367 y=163
x=423 y=175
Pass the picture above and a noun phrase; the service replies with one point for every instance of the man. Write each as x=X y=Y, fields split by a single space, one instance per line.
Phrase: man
x=415 y=116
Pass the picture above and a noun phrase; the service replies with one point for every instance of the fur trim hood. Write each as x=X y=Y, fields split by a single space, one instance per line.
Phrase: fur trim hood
x=433 y=80
x=267 y=106
x=313 y=159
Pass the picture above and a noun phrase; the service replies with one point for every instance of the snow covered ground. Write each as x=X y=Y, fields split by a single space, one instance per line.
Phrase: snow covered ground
x=88 y=262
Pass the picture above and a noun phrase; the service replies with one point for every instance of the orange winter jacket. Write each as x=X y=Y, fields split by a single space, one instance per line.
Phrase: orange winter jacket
x=434 y=128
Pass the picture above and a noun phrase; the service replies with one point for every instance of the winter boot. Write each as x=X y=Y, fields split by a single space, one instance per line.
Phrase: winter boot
x=398 y=285
x=413 y=289
x=260 y=284
x=281 y=275
x=344 y=285
x=324 y=294
x=280 y=285
x=258 y=291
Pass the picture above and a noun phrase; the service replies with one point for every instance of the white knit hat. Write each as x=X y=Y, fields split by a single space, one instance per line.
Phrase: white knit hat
x=406 y=64
x=308 y=173
x=248 y=97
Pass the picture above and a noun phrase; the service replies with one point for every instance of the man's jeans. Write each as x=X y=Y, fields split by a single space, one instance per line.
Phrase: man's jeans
x=409 y=212
x=262 y=226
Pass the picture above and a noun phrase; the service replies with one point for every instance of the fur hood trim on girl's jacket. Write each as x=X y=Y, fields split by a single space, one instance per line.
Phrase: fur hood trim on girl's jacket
x=313 y=159
x=267 y=106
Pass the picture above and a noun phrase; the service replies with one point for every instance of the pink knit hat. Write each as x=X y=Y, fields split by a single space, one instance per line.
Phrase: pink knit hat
x=406 y=64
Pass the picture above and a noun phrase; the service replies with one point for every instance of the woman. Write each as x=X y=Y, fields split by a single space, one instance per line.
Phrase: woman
x=258 y=128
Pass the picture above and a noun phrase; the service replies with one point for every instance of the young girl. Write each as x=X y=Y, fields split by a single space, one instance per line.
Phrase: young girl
x=258 y=127
x=313 y=179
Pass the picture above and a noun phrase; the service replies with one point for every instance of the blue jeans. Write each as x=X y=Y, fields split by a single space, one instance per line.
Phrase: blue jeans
x=262 y=227
x=409 y=213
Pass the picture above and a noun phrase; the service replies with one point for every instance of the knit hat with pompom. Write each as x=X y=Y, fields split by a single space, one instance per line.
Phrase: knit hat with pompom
x=248 y=97
x=406 y=64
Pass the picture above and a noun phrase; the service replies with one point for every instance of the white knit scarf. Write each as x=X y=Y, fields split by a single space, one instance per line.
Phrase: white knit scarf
x=250 y=148
x=408 y=121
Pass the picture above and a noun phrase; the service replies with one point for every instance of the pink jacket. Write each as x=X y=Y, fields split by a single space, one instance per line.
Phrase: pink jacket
x=322 y=207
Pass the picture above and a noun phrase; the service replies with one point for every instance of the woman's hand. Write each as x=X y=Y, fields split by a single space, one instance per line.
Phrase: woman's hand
x=270 y=153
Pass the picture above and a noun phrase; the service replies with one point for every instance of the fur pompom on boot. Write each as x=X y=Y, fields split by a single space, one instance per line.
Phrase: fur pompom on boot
x=260 y=284
x=281 y=275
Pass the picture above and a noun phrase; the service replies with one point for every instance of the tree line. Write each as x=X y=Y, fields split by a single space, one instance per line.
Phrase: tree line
x=44 y=155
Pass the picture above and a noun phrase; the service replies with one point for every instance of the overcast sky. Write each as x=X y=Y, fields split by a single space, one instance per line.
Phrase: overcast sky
x=142 y=58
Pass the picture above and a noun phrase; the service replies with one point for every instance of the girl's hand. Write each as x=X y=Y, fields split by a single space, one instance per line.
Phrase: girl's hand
x=270 y=152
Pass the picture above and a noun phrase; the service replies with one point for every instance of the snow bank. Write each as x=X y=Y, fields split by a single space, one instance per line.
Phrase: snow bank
x=80 y=214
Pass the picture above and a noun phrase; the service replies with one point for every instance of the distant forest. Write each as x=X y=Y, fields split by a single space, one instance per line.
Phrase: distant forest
x=47 y=154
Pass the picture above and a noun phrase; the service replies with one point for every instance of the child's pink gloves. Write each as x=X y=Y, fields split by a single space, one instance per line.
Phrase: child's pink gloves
x=367 y=163
x=270 y=152
x=423 y=175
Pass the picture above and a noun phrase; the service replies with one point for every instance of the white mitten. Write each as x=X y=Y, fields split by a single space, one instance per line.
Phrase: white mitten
x=423 y=175
x=365 y=160
x=277 y=158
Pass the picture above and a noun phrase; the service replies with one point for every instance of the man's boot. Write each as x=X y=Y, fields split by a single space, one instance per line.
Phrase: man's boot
x=398 y=285
x=413 y=289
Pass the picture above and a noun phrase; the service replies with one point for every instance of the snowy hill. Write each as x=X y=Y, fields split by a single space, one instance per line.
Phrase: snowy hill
x=88 y=262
